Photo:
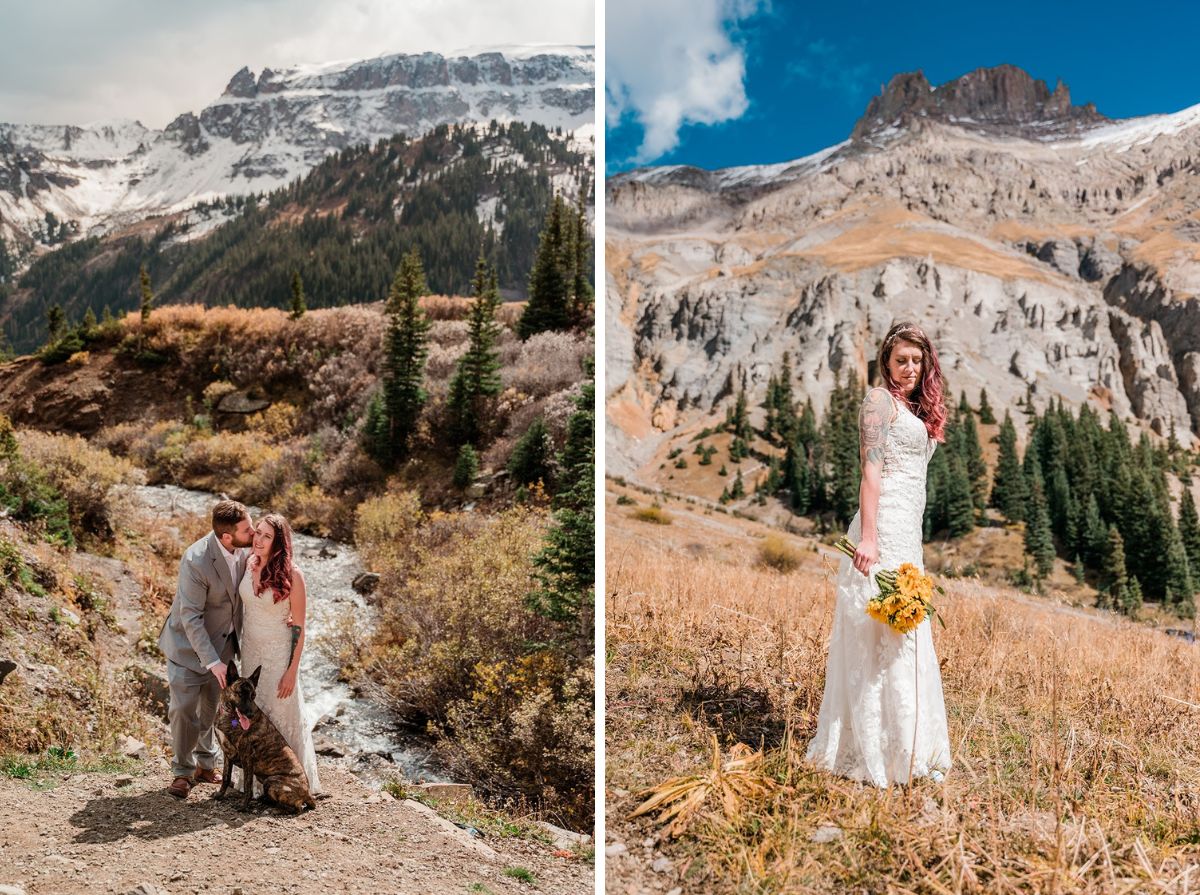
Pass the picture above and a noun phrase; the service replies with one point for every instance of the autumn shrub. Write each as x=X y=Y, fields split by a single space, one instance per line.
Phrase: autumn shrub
x=85 y=476
x=457 y=647
x=546 y=362
x=655 y=514
x=777 y=553
x=276 y=422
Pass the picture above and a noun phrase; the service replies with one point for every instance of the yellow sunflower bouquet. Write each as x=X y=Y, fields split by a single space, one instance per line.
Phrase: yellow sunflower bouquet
x=904 y=595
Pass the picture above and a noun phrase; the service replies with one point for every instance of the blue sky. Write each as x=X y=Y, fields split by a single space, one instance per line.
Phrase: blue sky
x=716 y=83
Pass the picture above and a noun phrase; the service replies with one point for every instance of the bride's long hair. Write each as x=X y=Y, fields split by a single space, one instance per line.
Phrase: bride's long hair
x=277 y=570
x=931 y=390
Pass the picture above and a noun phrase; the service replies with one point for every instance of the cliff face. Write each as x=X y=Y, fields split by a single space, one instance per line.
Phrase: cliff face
x=1039 y=245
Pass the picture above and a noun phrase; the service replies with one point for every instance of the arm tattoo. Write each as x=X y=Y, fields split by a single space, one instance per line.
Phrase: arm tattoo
x=295 y=639
x=873 y=421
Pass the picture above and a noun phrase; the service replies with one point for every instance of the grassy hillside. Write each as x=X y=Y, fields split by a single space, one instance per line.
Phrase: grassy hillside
x=1074 y=733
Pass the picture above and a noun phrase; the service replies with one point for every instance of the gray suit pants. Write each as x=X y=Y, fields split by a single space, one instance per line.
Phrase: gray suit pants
x=193 y=708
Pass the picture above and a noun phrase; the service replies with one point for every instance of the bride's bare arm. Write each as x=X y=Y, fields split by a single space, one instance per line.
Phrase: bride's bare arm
x=874 y=418
x=299 y=603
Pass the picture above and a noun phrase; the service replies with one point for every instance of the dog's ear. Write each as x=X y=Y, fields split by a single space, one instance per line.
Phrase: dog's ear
x=254 y=677
x=231 y=673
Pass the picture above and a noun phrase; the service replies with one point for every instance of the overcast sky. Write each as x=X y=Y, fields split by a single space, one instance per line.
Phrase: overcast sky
x=80 y=61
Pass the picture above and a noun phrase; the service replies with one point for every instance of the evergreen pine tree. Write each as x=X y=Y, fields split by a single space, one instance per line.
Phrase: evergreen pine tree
x=147 y=294
x=741 y=416
x=785 y=401
x=56 y=321
x=937 y=491
x=1095 y=533
x=976 y=468
x=566 y=565
x=531 y=457
x=843 y=439
x=406 y=345
x=986 y=415
x=466 y=467
x=550 y=280
x=298 y=304
x=477 y=377
x=1189 y=530
x=582 y=297
x=1133 y=598
x=768 y=404
x=1179 y=588
x=739 y=487
x=964 y=406
x=1114 y=577
x=960 y=515
x=1009 y=489
x=1039 y=541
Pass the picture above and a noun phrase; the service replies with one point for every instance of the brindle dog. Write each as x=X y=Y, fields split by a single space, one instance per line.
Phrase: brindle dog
x=252 y=742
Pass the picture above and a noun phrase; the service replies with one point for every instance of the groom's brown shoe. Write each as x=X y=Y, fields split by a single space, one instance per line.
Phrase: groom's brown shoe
x=180 y=787
x=207 y=775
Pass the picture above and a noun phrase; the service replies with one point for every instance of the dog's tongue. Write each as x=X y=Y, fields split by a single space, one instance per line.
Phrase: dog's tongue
x=243 y=721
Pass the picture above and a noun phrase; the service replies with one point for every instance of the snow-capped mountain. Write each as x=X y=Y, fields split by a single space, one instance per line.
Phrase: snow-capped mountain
x=265 y=130
x=1041 y=244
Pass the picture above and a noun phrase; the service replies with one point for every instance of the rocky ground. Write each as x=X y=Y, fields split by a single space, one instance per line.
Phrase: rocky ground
x=122 y=833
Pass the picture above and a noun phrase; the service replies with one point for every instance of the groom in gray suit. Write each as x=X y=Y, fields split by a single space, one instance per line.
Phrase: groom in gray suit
x=199 y=639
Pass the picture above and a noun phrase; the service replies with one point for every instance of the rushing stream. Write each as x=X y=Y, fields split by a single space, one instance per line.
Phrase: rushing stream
x=372 y=744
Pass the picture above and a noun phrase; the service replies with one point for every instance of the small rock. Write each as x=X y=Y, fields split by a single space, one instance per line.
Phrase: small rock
x=71 y=617
x=564 y=839
x=326 y=746
x=662 y=865
x=237 y=890
x=7 y=667
x=146 y=889
x=177 y=876
x=826 y=833
x=365 y=582
x=326 y=553
x=386 y=796
x=617 y=848
x=11 y=890
x=124 y=781
x=131 y=748
x=678 y=890
x=648 y=842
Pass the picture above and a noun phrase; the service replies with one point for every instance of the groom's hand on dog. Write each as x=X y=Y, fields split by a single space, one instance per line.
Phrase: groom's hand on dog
x=218 y=671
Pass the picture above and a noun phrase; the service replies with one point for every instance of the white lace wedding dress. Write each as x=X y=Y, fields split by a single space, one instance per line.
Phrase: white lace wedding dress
x=267 y=641
x=880 y=684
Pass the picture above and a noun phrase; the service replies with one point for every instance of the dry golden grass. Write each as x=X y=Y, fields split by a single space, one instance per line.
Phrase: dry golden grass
x=1076 y=736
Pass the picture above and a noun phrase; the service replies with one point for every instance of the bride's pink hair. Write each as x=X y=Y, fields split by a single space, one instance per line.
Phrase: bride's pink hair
x=277 y=571
x=931 y=390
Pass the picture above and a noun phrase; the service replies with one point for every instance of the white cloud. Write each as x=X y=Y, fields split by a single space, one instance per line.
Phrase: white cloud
x=673 y=62
x=151 y=60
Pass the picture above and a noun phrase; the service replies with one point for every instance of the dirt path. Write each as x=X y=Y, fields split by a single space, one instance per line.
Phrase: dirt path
x=89 y=834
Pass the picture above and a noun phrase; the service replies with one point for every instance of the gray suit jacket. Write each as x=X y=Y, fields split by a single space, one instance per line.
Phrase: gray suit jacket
x=206 y=602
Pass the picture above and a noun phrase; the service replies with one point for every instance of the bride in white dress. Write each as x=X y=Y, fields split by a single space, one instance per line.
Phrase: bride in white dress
x=273 y=601
x=883 y=690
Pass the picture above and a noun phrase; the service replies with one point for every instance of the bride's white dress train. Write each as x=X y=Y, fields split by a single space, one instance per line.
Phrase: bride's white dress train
x=880 y=684
x=267 y=641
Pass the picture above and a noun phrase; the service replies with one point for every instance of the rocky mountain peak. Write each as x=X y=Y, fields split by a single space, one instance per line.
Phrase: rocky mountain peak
x=242 y=84
x=1002 y=99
